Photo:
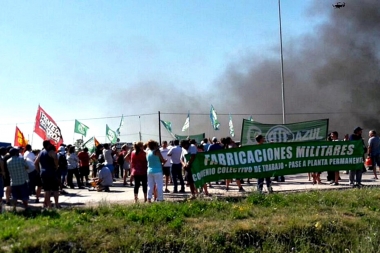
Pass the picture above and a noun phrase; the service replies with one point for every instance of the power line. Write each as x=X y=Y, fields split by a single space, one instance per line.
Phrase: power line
x=185 y=113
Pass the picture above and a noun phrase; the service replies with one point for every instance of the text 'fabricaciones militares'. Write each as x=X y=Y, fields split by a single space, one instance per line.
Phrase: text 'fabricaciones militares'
x=276 y=159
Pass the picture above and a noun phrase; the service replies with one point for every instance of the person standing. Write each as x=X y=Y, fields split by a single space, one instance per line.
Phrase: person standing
x=356 y=175
x=260 y=181
x=2 y=175
x=155 y=173
x=72 y=168
x=166 y=168
x=18 y=168
x=7 y=180
x=139 y=170
x=34 y=176
x=47 y=164
x=335 y=174
x=84 y=165
x=187 y=164
x=62 y=167
x=175 y=155
x=374 y=151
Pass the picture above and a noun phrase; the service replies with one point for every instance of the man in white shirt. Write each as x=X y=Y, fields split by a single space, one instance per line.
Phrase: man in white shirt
x=166 y=168
x=104 y=181
x=34 y=176
x=175 y=154
x=107 y=154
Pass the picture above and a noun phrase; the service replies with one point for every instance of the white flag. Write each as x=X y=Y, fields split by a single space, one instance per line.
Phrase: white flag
x=187 y=123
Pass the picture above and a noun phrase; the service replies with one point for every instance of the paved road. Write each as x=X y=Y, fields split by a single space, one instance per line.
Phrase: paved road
x=124 y=194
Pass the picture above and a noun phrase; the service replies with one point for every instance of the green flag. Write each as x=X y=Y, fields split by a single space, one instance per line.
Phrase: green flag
x=120 y=125
x=214 y=119
x=167 y=125
x=111 y=135
x=197 y=137
x=90 y=144
x=231 y=125
x=80 y=128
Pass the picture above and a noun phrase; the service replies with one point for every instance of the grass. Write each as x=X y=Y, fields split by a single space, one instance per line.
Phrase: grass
x=326 y=221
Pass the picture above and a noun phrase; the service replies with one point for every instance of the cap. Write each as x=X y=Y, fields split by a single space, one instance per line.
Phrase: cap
x=61 y=149
x=214 y=139
x=357 y=129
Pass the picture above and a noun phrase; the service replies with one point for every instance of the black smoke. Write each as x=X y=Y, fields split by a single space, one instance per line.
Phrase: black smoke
x=332 y=72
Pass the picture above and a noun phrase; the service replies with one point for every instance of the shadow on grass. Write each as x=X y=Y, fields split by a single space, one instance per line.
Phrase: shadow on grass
x=34 y=213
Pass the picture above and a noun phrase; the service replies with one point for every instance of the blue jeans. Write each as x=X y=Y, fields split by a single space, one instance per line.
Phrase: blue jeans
x=176 y=171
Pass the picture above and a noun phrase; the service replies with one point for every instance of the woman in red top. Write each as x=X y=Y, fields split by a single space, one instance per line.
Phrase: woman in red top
x=139 y=169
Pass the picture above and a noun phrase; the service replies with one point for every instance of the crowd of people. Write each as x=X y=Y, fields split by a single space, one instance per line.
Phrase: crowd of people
x=25 y=172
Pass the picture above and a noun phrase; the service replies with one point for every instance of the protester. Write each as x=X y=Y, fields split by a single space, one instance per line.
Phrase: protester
x=104 y=181
x=215 y=145
x=205 y=144
x=116 y=167
x=108 y=160
x=374 y=151
x=260 y=181
x=2 y=175
x=62 y=167
x=175 y=155
x=230 y=144
x=187 y=164
x=155 y=172
x=18 y=171
x=84 y=165
x=72 y=168
x=356 y=175
x=127 y=166
x=166 y=167
x=139 y=169
x=34 y=176
x=47 y=163
x=123 y=163
x=335 y=174
x=7 y=178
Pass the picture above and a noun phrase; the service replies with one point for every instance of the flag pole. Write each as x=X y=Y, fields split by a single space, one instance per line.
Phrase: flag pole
x=159 y=127
x=140 y=128
x=34 y=125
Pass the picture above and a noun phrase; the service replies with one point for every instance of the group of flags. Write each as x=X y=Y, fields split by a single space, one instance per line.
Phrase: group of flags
x=47 y=129
x=213 y=118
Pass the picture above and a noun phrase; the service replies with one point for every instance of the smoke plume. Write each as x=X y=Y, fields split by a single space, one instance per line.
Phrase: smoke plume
x=333 y=72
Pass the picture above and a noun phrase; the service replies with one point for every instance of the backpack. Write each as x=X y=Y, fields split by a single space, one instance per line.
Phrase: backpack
x=62 y=162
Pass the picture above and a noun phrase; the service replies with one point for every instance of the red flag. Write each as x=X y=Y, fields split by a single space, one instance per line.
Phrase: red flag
x=47 y=129
x=96 y=142
x=19 y=139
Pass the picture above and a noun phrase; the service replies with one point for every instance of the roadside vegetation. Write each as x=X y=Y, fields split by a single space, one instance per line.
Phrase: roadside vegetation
x=316 y=221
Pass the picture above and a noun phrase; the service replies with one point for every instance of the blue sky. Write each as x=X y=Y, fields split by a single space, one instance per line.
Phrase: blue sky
x=74 y=57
